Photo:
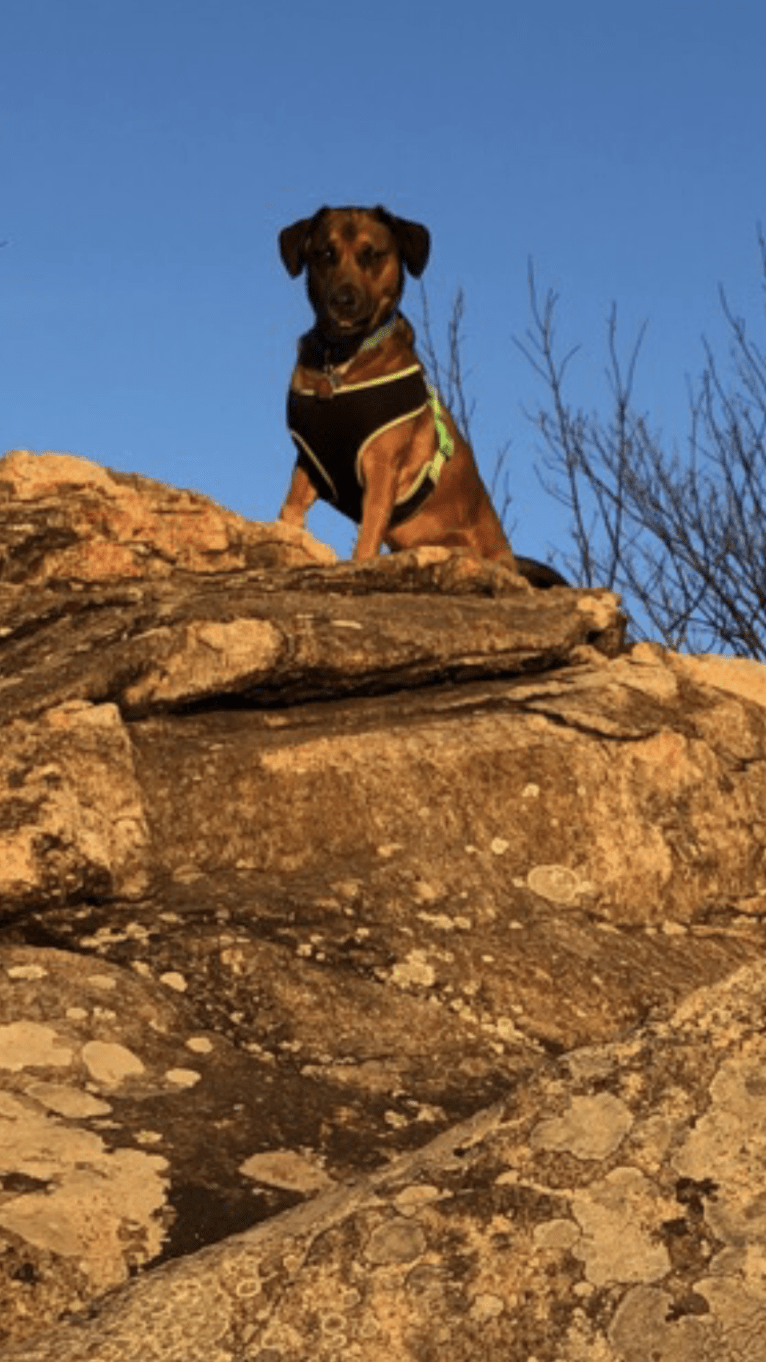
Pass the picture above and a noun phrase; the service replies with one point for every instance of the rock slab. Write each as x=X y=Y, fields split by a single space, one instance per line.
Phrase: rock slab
x=381 y=953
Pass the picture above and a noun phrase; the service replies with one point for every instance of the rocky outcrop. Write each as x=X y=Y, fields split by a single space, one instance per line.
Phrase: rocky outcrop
x=380 y=953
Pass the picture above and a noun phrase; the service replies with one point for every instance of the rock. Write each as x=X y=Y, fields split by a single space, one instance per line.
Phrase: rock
x=610 y=1206
x=383 y=943
x=66 y=519
x=74 y=821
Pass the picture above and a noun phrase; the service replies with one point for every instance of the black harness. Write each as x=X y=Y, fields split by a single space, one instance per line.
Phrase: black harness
x=330 y=434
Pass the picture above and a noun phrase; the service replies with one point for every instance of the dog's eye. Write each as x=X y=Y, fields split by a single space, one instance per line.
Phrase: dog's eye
x=325 y=255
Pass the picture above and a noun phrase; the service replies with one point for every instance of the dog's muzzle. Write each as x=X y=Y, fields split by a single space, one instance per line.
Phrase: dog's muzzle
x=347 y=303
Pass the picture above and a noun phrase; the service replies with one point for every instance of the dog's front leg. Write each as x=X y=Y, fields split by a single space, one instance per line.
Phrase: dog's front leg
x=379 y=472
x=299 y=498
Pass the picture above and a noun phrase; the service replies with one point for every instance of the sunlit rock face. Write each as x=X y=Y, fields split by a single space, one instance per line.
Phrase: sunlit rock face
x=392 y=933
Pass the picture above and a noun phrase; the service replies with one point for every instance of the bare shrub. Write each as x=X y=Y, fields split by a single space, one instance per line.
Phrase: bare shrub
x=681 y=536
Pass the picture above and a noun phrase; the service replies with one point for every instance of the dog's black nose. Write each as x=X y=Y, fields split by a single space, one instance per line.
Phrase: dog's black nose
x=346 y=299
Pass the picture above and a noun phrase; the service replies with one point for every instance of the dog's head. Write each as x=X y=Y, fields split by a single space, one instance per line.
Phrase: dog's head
x=355 y=259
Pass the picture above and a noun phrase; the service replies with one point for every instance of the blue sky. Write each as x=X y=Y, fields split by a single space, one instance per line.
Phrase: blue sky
x=150 y=151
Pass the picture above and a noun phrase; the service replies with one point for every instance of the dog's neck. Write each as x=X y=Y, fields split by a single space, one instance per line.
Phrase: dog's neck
x=318 y=352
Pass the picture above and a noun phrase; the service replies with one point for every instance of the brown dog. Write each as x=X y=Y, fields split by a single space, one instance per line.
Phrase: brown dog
x=371 y=438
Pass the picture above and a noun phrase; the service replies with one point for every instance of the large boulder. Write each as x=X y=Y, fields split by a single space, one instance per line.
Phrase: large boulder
x=381 y=944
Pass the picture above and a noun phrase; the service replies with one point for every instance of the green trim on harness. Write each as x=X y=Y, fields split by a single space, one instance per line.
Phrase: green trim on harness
x=446 y=445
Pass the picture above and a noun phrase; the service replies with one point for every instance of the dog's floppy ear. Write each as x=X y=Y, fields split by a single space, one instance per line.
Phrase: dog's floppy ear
x=292 y=243
x=412 y=238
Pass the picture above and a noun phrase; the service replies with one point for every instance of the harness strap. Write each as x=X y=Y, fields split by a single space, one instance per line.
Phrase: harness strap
x=446 y=446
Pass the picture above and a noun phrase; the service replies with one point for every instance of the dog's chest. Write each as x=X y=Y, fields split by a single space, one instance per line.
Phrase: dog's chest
x=330 y=432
